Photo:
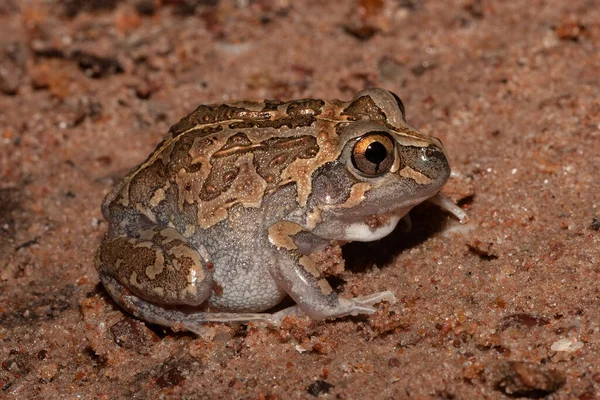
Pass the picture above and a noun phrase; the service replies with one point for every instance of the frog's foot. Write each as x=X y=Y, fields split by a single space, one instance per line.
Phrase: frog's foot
x=176 y=317
x=363 y=304
x=376 y=298
x=195 y=322
x=446 y=204
x=354 y=306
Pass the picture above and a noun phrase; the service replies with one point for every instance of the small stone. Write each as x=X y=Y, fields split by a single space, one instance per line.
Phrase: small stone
x=567 y=345
x=318 y=387
x=145 y=7
x=570 y=30
x=9 y=82
x=96 y=66
x=131 y=334
x=172 y=377
x=47 y=372
x=522 y=320
x=525 y=379
x=596 y=223
x=393 y=362
x=143 y=90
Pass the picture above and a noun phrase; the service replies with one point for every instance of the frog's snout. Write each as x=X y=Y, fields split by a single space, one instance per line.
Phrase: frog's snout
x=428 y=166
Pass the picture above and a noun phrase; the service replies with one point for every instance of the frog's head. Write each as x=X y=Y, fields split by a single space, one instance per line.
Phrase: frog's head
x=384 y=168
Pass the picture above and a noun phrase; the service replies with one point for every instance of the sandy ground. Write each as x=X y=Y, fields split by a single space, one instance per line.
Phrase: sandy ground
x=505 y=306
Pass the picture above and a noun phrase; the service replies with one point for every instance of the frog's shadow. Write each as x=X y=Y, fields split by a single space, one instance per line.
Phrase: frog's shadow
x=426 y=221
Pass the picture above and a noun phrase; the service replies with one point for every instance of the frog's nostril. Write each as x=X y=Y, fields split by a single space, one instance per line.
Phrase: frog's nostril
x=434 y=154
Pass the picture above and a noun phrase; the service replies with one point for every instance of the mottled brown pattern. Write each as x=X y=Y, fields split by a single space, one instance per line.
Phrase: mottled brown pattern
x=271 y=105
x=167 y=243
x=241 y=125
x=364 y=108
x=223 y=167
x=196 y=178
x=128 y=255
x=278 y=153
x=179 y=154
x=208 y=130
x=205 y=158
x=299 y=113
x=290 y=122
x=305 y=107
x=147 y=180
x=214 y=113
x=239 y=139
x=165 y=258
x=270 y=158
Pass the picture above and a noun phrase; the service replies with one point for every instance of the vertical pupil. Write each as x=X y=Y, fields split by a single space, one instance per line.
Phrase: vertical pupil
x=376 y=153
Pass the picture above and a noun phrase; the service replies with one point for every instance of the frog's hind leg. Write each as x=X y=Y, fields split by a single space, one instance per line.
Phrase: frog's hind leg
x=176 y=318
x=160 y=278
x=158 y=265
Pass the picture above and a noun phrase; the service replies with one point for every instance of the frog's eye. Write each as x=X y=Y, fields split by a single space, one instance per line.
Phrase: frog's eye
x=373 y=154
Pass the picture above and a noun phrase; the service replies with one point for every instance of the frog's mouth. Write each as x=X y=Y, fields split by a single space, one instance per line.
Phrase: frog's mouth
x=382 y=209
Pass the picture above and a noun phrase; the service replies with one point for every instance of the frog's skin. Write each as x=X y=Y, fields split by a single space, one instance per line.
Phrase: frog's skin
x=217 y=223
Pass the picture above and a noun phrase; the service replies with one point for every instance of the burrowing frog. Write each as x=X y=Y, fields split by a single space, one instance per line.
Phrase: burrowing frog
x=217 y=224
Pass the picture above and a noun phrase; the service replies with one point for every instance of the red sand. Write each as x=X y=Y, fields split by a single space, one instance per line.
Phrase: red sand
x=507 y=305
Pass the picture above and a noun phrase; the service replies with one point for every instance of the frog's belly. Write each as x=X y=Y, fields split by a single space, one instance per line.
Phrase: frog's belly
x=244 y=292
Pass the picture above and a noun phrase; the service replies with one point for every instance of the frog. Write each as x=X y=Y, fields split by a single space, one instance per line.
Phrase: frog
x=218 y=224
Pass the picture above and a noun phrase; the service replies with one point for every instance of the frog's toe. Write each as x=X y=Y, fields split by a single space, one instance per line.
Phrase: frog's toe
x=360 y=309
x=376 y=298
x=364 y=304
x=277 y=317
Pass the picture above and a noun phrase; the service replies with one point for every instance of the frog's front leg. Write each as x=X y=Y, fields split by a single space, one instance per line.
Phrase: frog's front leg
x=298 y=276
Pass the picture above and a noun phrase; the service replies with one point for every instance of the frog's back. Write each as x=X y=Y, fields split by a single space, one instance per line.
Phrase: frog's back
x=247 y=114
x=218 y=156
x=225 y=154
